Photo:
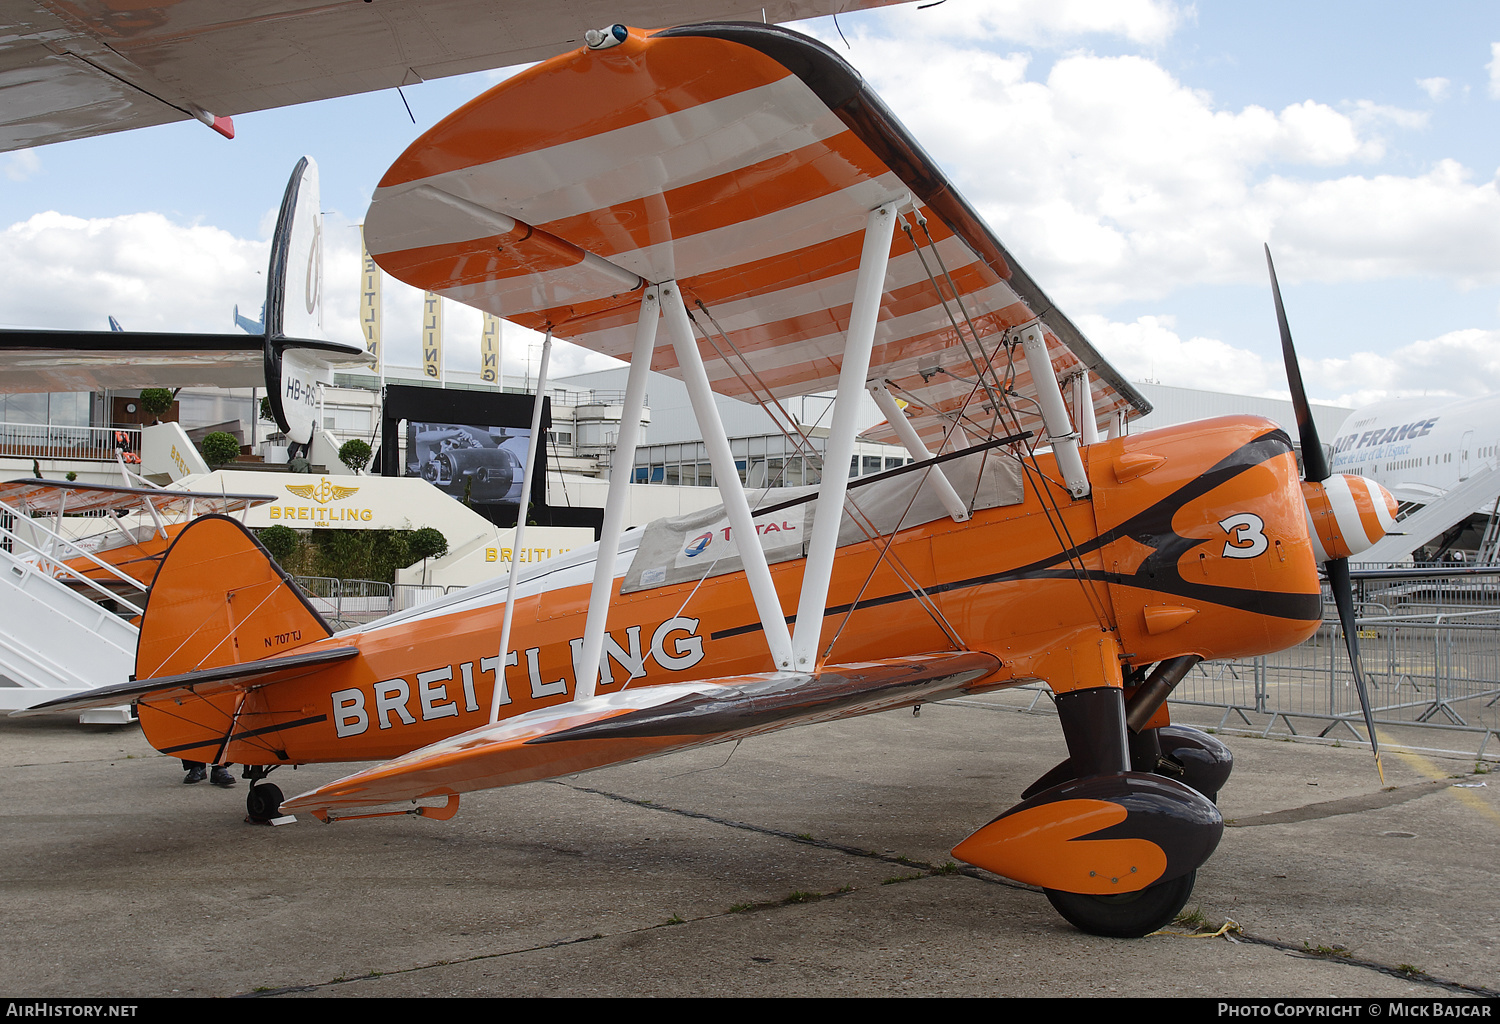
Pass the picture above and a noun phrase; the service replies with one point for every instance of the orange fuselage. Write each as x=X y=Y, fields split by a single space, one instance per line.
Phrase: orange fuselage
x=1193 y=541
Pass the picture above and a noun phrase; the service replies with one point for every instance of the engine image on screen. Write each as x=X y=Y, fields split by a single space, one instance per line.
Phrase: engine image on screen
x=480 y=464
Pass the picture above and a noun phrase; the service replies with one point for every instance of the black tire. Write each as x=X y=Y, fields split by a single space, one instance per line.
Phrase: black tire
x=263 y=802
x=1128 y=915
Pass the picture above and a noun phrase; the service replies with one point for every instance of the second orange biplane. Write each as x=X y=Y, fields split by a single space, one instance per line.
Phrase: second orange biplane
x=741 y=190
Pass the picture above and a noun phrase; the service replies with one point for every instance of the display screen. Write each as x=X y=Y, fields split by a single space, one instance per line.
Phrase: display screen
x=469 y=444
x=480 y=465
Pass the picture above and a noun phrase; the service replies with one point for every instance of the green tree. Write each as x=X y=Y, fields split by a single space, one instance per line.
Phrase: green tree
x=281 y=541
x=355 y=454
x=426 y=543
x=157 y=401
x=219 y=448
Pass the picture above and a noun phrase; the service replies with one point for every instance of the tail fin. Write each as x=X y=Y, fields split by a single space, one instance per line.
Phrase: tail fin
x=298 y=353
x=220 y=599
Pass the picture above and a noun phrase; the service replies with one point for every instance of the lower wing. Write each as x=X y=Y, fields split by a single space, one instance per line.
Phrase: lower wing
x=646 y=722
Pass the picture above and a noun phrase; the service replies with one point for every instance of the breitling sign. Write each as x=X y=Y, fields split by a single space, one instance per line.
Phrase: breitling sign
x=327 y=509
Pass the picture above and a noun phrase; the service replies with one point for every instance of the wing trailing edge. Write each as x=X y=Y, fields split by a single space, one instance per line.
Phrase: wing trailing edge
x=631 y=725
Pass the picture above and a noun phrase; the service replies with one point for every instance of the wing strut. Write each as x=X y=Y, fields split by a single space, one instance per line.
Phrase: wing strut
x=515 y=547
x=621 y=470
x=1060 y=429
x=853 y=372
x=917 y=450
x=727 y=476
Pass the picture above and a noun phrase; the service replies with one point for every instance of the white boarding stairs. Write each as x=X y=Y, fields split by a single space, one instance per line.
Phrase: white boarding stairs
x=54 y=640
x=1478 y=493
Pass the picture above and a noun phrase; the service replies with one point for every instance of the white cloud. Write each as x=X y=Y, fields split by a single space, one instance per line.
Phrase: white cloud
x=1387 y=226
x=1147 y=22
x=64 y=272
x=1369 y=116
x=1435 y=88
x=1150 y=349
x=1110 y=179
x=21 y=165
x=1493 y=67
x=154 y=275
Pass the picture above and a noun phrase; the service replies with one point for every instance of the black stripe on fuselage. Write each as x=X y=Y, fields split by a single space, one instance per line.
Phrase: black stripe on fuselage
x=1152 y=528
x=250 y=734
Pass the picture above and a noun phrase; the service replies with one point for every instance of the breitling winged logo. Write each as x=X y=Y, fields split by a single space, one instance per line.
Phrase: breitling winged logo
x=322 y=492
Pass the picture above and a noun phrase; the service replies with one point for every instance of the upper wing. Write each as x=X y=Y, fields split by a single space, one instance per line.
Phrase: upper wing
x=741 y=161
x=70 y=69
x=646 y=722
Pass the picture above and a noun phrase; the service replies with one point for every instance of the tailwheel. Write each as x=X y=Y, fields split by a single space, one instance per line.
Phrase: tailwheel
x=1126 y=915
x=263 y=802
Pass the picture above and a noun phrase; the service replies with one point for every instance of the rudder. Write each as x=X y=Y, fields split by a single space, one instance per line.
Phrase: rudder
x=219 y=599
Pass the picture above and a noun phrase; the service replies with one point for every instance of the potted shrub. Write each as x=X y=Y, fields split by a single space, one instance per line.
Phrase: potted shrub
x=219 y=448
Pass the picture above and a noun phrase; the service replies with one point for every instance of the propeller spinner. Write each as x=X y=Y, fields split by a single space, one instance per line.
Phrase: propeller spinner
x=1346 y=514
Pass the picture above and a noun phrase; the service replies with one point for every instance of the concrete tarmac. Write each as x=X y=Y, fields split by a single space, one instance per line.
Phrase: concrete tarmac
x=810 y=863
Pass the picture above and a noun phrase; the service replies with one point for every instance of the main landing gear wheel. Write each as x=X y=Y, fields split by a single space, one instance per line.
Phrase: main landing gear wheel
x=263 y=802
x=1128 y=915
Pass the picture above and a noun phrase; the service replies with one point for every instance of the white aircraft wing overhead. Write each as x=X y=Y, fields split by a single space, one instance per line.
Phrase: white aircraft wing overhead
x=70 y=69
x=291 y=357
x=742 y=161
x=36 y=361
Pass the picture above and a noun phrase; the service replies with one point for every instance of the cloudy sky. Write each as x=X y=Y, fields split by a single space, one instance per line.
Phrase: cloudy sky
x=1133 y=154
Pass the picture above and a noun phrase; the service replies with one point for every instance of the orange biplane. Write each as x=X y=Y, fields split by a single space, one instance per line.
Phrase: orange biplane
x=739 y=188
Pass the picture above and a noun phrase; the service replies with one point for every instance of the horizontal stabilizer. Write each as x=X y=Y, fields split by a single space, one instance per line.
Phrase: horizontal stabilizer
x=646 y=722
x=245 y=676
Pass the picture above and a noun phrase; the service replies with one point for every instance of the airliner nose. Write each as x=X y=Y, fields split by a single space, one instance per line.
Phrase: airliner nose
x=1346 y=515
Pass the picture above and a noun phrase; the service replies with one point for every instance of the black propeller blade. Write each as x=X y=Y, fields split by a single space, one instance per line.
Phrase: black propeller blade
x=1317 y=470
x=1313 y=462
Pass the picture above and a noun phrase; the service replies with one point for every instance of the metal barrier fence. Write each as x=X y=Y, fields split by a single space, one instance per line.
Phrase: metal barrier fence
x=348 y=602
x=44 y=441
x=352 y=602
x=1431 y=655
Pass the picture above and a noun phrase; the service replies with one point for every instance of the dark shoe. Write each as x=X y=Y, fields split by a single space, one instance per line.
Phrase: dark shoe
x=221 y=777
x=197 y=774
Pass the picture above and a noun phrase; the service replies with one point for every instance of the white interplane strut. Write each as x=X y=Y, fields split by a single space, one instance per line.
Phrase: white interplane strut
x=726 y=474
x=1060 y=432
x=868 y=287
x=520 y=538
x=896 y=417
x=623 y=468
x=1083 y=405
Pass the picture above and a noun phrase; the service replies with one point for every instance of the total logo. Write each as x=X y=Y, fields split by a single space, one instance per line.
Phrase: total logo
x=696 y=546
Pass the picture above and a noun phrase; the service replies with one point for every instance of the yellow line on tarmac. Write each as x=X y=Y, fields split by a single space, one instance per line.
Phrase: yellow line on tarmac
x=1433 y=771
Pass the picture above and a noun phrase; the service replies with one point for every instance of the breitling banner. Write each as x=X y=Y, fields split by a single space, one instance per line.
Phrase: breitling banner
x=369 y=303
x=489 y=350
x=346 y=502
x=432 y=336
x=324 y=503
